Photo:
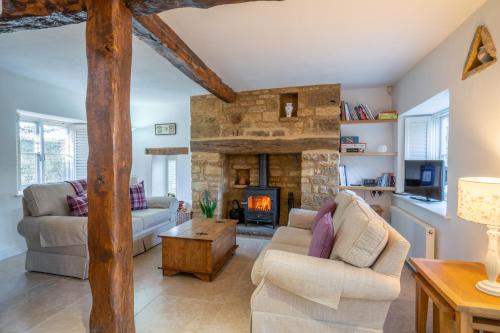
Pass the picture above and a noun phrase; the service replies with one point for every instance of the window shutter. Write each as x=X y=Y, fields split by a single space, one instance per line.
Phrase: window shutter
x=172 y=175
x=81 y=146
x=416 y=138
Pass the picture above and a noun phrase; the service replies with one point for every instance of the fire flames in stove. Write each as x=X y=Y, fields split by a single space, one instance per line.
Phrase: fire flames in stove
x=261 y=203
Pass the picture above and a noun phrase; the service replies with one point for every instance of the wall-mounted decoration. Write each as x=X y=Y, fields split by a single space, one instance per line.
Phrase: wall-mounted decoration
x=482 y=53
x=166 y=129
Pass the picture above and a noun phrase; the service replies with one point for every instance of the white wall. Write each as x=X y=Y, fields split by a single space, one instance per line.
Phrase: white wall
x=17 y=92
x=474 y=148
x=144 y=117
x=358 y=168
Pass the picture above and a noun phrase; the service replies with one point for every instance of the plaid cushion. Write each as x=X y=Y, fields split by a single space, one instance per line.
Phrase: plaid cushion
x=78 y=205
x=138 y=197
x=79 y=185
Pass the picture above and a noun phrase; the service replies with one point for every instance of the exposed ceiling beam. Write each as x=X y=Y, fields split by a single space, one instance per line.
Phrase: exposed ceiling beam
x=145 y=7
x=19 y=15
x=152 y=30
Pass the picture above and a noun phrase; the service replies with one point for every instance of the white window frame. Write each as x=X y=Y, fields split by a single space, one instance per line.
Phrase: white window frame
x=434 y=141
x=40 y=120
x=172 y=175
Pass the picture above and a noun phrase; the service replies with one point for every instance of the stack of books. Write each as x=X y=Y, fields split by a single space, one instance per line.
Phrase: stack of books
x=351 y=144
x=387 y=115
x=386 y=180
x=358 y=112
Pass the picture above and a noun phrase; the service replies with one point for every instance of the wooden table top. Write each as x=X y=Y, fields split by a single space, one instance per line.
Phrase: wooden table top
x=200 y=228
x=456 y=282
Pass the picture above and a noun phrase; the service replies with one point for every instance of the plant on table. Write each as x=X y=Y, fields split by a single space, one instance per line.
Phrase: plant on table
x=208 y=205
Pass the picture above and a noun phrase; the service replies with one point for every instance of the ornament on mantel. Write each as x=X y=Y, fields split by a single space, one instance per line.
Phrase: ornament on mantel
x=289 y=109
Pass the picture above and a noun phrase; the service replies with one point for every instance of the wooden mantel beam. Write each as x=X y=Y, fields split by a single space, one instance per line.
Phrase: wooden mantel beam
x=109 y=61
x=156 y=33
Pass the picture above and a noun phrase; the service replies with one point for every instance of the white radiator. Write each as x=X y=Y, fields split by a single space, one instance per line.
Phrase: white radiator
x=420 y=235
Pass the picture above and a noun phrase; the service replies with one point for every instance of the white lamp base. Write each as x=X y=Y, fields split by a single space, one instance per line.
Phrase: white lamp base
x=488 y=287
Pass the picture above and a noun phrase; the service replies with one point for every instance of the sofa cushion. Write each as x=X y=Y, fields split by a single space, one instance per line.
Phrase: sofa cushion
x=257 y=271
x=152 y=216
x=48 y=199
x=322 y=239
x=343 y=199
x=138 y=197
x=327 y=207
x=137 y=226
x=292 y=236
x=361 y=237
x=78 y=205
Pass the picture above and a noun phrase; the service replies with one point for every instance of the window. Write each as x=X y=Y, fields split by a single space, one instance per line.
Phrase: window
x=164 y=175
x=426 y=138
x=47 y=151
x=172 y=175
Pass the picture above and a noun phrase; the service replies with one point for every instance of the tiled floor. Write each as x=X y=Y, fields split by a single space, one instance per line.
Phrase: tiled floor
x=34 y=302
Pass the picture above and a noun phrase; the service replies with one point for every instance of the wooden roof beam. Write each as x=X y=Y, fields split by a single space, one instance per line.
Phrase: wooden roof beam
x=156 y=33
x=17 y=15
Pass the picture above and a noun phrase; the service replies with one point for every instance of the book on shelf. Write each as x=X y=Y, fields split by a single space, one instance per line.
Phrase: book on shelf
x=386 y=180
x=356 y=112
x=352 y=147
x=349 y=139
x=387 y=115
x=342 y=175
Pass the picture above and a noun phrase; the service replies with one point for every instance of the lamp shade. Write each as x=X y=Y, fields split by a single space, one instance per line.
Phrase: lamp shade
x=479 y=200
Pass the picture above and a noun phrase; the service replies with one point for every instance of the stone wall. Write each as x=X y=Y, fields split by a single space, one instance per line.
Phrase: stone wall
x=257 y=114
x=310 y=174
x=208 y=175
x=319 y=177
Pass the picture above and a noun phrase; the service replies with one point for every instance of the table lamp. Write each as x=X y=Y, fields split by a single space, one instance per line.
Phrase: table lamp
x=479 y=202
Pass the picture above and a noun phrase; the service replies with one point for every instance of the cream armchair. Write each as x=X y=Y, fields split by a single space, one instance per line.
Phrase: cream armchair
x=299 y=293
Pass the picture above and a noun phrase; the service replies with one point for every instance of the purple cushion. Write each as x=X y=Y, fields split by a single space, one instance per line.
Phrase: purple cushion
x=322 y=239
x=78 y=205
x=328 y=207
x=138 y=197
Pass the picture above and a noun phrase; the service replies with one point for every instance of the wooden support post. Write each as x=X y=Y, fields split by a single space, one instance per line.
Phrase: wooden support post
x=109 y=56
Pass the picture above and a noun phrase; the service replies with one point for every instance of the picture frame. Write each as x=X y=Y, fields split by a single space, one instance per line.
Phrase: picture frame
x=166 y=129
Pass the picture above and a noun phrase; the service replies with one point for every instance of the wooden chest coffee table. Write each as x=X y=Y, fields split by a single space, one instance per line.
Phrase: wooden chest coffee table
x=199 y=246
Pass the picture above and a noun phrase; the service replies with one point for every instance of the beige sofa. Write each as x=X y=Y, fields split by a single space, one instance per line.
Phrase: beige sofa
x=349 y=292
x=57 y=242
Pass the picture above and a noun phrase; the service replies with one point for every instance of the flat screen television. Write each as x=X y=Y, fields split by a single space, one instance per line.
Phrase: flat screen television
x=425 y=180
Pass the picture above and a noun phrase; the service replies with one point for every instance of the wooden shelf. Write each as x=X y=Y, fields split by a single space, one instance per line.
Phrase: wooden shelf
x=376 y=121
x=167 y=151
x=289 y=119
x=367 y=188
x=239 y=186
x=369 y=154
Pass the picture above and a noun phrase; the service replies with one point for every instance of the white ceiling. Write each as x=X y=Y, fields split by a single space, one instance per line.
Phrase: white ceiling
x=359 y=43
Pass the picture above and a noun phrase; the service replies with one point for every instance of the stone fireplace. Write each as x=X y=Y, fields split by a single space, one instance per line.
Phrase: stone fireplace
x=302 y=151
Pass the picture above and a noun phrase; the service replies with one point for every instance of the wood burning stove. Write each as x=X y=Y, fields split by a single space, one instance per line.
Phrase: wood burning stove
x=262 y=203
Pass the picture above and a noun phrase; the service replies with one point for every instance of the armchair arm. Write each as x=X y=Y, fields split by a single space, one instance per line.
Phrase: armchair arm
x=301 y=218
x=326 y=281
x=315 y=279
x=55 y=230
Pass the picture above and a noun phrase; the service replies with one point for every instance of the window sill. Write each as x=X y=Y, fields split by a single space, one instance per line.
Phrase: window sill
x=437 y=208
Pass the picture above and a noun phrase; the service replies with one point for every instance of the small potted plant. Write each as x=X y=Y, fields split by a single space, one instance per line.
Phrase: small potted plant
x=208 y=205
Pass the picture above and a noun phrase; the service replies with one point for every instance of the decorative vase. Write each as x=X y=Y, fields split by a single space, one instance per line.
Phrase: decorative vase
x=483 y=56
x=288 y=109
x=382 y=149
x=242 y=181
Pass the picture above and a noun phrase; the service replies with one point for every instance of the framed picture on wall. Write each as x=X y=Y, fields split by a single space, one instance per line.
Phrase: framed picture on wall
x=166 y=129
